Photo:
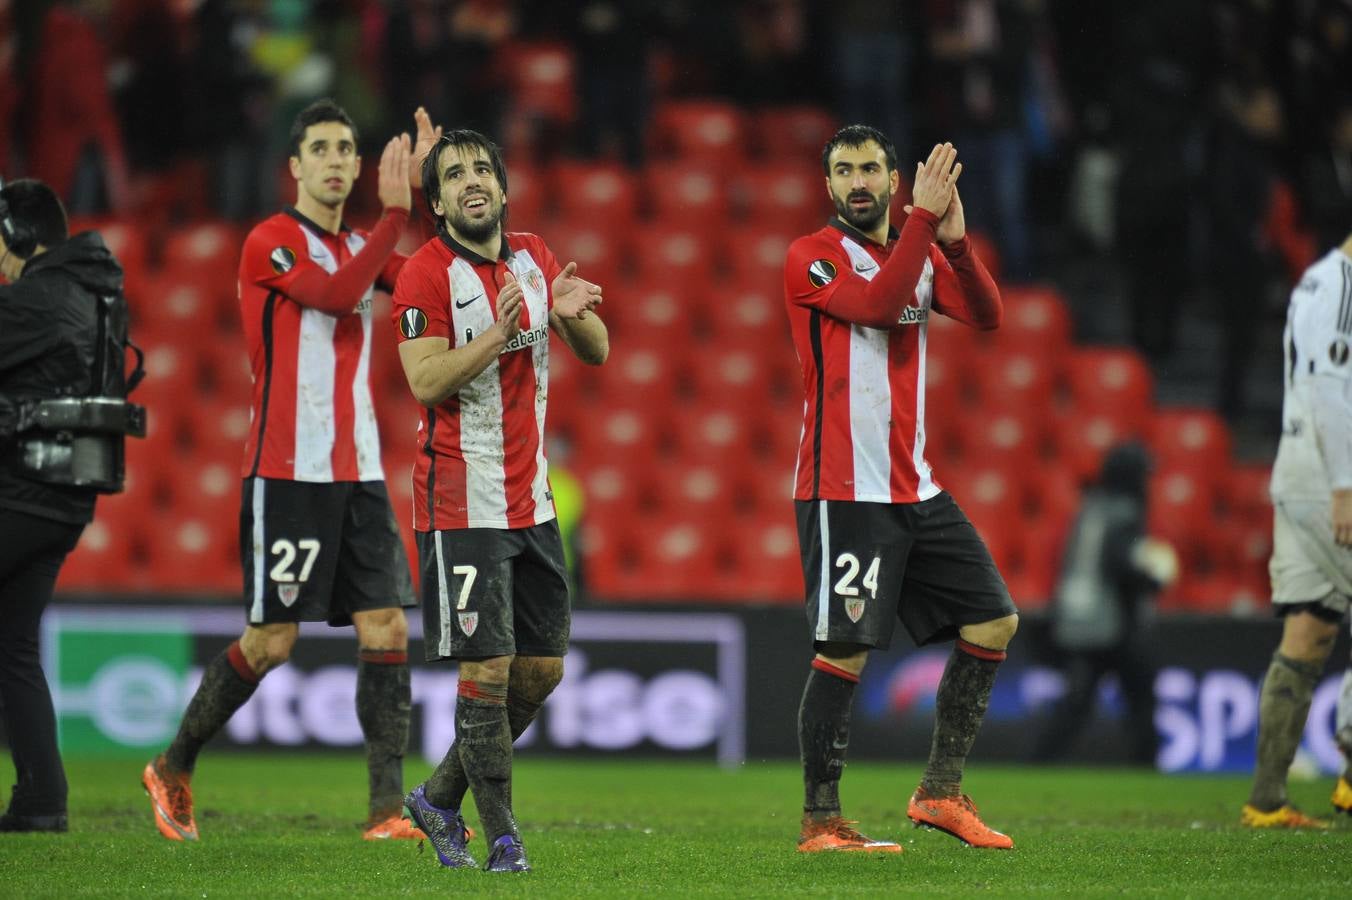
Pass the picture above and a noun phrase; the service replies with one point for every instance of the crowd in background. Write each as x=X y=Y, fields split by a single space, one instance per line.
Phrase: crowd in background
x=1204 y=147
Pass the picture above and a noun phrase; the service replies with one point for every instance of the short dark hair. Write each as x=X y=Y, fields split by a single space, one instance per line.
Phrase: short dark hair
x=858 y=136
x=461 y=139
x=324 y=110
x=36 y=214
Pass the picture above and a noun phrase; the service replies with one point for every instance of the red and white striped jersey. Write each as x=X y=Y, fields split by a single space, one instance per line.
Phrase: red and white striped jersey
x=312 y=417
x=481 y=460
x=864 y=410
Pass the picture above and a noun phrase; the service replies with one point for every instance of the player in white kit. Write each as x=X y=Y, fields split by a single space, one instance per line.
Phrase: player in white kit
x=1311 y=563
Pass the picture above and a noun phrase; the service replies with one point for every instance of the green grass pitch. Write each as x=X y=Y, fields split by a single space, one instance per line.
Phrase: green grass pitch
x=286 y=826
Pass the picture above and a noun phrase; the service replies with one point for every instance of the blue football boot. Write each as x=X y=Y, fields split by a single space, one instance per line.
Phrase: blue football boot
x=445 y=828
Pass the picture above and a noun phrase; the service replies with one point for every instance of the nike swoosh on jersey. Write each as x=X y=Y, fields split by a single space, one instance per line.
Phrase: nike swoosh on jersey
x=459 y=305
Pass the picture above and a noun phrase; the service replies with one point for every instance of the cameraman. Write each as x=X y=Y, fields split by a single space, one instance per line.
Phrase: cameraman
x=51 y=331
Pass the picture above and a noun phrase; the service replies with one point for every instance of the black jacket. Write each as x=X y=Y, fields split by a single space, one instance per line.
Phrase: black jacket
x=48 y=333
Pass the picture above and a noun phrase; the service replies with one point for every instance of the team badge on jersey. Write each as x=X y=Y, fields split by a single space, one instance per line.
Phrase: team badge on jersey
x=821 y=273
x=468 y=622
x=854 y=608
x=535 y=281
x=413 y=323
x=1338 y=352
x=282 y=259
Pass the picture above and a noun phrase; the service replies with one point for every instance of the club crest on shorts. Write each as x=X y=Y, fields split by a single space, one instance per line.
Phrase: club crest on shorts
x=288 y=593
x=468 y=622
x=412 y=323
x=282 y=259
x=821 y=272
x=854 y=608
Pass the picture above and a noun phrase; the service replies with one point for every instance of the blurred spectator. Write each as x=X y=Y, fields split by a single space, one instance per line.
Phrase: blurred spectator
x=1157 y=77
x=613 y=48
x=74 y=140
x=776 y=62
x=150 y=83
x=1325 y=174
x=1100 y=609
x=872 y=66
x=1240 y=176
x=10 y=93
x=979 y=81
x=232 y=101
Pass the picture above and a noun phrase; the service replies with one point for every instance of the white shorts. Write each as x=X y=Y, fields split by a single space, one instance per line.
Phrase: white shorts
x=1307 y=566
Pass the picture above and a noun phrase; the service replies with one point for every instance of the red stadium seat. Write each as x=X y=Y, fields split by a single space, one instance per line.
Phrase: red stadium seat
x=792 y=132
x=756 y=257
x=731 y=375
x=1245 y=491
x=686 y=194
x=207 y=246
x=594 y=243
x=1009 y=437
x=751 y=307
x=715 y=435
x=1197 y=439
x=990 y=494
x=128 y=242
x=595 y=192
x=1013 y=380
x=681 y=257
x=542 y=76
x=1110 y=379
x=1082 y=437
x=640 y=371
x=634 y=431
x=791 y=196
x=195 y=554
x=768 y=564
x=1183 y=511
x=102 y=560
x=698 y=490
x=708 y=131
x=527 y=198
x=1035 y=319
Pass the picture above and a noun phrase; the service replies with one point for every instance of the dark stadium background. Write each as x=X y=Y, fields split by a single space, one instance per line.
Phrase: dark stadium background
x=1172 y=166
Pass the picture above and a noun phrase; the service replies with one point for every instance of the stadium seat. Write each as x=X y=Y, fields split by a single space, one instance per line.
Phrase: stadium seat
x=205 y=246
x=982 y=244
x=680 y=256
x=706 y=131
x=102 y=560
x=195 y=554
x=1036 y=319
x=1018 y=380
x=748 y=308
x=790 y=196
x=527 y=198
x=686 y=194
x=756 y=255
x=698 y=489
x=1111 y=380
x=1183 y=511
x=1011 y=437
x=542 y=76
x=767 y=562
x=792 y=132
x=990 y=494
x=731 y=375
x=639 y=371
x=717 y=435
x=1245 y=492
x=634 y=431
x=599 y=248
x=128 y=242
x=1082 y=437
x=595 y=191
x=1197 y=439
x=170 y=308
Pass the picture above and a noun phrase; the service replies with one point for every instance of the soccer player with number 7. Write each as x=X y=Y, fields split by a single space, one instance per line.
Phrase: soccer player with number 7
x=474 y=308
x=880 y=539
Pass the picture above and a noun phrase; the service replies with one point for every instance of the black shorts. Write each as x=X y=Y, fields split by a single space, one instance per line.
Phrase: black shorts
x=494 y=592
x=319 y=552
x=867 y=564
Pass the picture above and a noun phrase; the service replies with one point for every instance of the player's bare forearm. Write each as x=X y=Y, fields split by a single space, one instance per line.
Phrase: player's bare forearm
x=433 y=375
x=587 y=338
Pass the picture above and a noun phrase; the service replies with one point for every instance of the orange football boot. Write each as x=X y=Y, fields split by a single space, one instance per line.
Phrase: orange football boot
x=958 y=817
x=835 y=834
x=1282 y=817
x=170 y=800
x=395 y=828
